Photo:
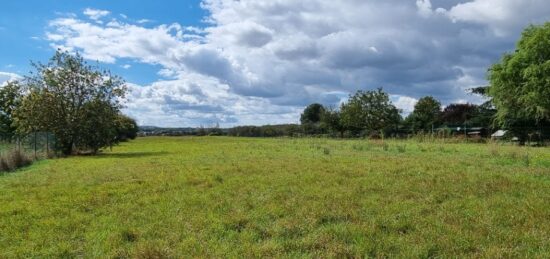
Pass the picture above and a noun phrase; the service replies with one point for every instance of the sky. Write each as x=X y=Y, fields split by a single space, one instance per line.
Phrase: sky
x=254 y=62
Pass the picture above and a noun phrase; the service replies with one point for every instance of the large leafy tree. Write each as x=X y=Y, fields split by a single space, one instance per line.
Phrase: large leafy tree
x=311 y=118
x=520 y=85
x=76 y=102
x=312 y=113
x=426 y=114
x=458 y=114
x=10 y=99
x=370 y=111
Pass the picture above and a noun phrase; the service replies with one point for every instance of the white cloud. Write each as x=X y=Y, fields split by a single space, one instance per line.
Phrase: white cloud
x=199 y=100
x=6 y=77
x=143 y=21
x=405 y=103
x=95 y=14
x=502 y=16
x=424 y=7
x=260 y=61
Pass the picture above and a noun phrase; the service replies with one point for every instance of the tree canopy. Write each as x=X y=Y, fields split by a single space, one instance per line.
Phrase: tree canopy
x=76 y=102
x=370 y=111
x=426 y=114
x=520 y=85
x=312 y=113
x=10 y=99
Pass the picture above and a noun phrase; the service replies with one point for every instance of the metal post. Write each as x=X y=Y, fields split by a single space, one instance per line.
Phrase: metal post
x=35 y=145
x=47 y=145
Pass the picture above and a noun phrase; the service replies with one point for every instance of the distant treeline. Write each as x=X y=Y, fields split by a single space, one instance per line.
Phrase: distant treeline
x=241 y=131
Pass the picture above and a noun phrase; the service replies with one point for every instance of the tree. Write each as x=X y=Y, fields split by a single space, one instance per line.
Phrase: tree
x=370 y=111
x=76 y=102
x=311 y=118
x=10 y=99
x=126 y=127
x=519 y=83
x=331 y=120
x=312 y=113
x=458 y=114
x=426 y=114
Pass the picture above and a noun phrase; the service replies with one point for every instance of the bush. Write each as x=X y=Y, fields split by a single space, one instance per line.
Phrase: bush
x=13 y=160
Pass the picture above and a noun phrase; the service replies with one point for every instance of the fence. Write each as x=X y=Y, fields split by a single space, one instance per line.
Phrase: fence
x=37 y=144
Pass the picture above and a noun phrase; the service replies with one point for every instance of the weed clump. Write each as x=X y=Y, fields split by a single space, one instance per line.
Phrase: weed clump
x=401 y=148
x=13 y=160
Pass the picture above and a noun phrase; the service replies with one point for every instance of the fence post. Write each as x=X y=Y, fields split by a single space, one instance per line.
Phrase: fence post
x=35 y=145
x=47 y=145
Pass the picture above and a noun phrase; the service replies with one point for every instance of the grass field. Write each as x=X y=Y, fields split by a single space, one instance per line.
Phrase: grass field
x=233 y=197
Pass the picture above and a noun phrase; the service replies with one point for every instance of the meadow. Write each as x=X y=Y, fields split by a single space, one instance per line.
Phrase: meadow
x=162 y=197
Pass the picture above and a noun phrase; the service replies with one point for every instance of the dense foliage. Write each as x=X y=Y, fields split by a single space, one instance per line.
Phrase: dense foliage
x=76 y=102
x=370 y=111
x=426 y=115
x=10 y=99
x=520 y=85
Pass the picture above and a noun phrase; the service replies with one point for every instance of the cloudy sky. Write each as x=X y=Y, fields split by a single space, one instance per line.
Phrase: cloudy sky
x=251 y=62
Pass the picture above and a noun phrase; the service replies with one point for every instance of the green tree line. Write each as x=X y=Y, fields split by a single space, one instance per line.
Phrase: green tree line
x=518 y=101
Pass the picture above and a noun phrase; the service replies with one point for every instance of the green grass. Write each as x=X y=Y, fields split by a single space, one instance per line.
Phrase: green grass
x=240 y=197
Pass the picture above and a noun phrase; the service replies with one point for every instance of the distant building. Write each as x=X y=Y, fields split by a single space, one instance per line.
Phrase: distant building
x=499 y=134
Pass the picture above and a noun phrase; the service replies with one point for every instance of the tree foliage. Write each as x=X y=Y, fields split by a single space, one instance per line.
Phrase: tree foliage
x=520 y=85
x=312 y=113
x=426 y=114
x=458 y=114
x=331 y=120
x=77 y=102
x=10 y=99
x=370 y=111
x=127 y=128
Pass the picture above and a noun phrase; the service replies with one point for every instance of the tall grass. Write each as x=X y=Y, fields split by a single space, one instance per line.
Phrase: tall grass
x=13 y=159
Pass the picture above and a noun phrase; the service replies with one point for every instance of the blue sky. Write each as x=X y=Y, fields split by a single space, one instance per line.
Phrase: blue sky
x=23 y=28
x=251 y=62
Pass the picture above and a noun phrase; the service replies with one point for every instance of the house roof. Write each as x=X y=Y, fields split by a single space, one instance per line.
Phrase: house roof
x=499 y=133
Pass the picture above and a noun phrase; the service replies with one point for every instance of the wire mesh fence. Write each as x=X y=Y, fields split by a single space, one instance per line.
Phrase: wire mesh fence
x=36 y=145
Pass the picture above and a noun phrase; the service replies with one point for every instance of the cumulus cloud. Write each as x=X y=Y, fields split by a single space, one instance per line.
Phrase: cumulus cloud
x=404 y=103
x=502 y=16
x=198 y=100
x=6 y=77
x=260 y=61
x=95 y=14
